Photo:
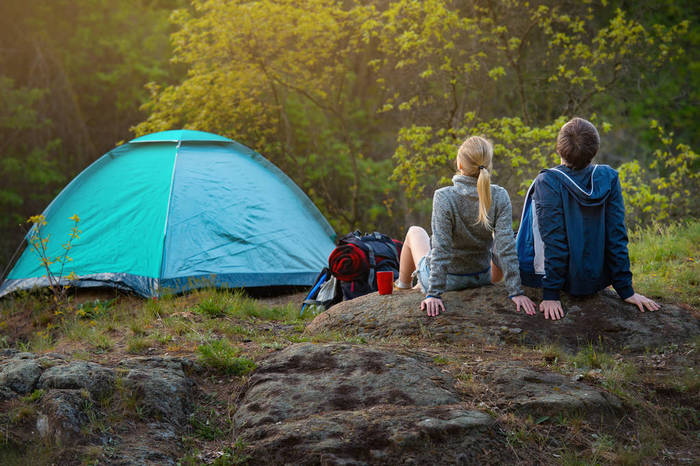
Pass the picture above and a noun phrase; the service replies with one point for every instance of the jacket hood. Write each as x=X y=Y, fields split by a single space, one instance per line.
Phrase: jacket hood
x=589 y=186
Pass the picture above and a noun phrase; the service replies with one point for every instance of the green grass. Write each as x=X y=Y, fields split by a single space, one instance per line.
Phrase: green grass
x=666 y=261
x=440 y=360
x=221 y=356
x=34 y=396
x=591 y=358
x=215 y=305
x=138 y=345
x=219 y=303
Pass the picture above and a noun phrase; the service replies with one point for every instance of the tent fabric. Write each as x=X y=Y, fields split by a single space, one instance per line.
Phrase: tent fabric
x=178 y=210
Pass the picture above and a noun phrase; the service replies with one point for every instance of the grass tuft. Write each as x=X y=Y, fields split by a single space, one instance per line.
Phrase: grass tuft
x=590 y=357
x=137 y=345
x=222 y=357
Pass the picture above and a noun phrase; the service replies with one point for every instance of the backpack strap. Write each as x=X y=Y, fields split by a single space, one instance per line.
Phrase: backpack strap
x=389 y=242
x=372 y=264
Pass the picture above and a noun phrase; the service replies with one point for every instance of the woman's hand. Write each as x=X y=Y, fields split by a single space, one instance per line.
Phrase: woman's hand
x=552 y=309
x=432 y=306
x=642 y=301
x=526 y=303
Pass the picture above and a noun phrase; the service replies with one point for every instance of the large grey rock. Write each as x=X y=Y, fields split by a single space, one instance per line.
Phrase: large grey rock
x=349 y=404
x=486 y=315
x=381 y=435
x=20 y=374
x=96 y=379
x=62 y=416
x=161 y=386
x=548 y=394
x=308 y=379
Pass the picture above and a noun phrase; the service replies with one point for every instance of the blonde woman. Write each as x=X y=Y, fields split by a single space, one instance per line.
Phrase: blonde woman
x=472 y=243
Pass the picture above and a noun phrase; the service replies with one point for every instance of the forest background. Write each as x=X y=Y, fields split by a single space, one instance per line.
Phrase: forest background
x=362 y=103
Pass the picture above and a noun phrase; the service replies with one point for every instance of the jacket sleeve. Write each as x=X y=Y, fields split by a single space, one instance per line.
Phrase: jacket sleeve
x=550 y=220
x=504 y=243
x=616 y=255
x=442 y=224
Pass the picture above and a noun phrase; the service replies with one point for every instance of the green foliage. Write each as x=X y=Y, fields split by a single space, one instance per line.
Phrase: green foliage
x=363 y=104
x=297 y=97
x=54 y=266
x=328 y=90
x=27 y=165
x=666 y=260
x=221 y=356
x=71 y=85
x=425 y=155
x=667 y=189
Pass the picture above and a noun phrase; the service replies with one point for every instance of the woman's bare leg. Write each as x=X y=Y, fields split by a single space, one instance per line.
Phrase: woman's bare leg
x=415 y=246
x=496 y=273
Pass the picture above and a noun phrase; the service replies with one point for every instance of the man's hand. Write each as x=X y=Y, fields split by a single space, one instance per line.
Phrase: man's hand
x=642 y=302
x=552 y=309
x=432 y=306
x=526 y=303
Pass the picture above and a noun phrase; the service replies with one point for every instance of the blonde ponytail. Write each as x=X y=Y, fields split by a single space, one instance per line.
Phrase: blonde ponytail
x=483 y=187
x=475 y=157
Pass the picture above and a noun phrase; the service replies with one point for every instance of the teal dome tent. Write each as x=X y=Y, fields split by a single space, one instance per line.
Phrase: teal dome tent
x=178 y=210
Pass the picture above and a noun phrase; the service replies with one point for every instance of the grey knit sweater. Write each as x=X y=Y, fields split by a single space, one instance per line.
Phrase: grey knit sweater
x=459 y=245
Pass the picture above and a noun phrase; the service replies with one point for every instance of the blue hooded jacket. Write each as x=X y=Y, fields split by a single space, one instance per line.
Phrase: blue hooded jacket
x=572 y=234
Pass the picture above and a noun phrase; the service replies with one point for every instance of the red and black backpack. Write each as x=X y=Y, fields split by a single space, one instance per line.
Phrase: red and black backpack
x=358 y=257
x=352 y=268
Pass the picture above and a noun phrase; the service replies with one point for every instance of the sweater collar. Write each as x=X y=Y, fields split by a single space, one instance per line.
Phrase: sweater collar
x=466 y=185
x=464 y=180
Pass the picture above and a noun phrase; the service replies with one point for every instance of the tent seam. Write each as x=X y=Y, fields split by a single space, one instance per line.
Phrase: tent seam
x=167 y=219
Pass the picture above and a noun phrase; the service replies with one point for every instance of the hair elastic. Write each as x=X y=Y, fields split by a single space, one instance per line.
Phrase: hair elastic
x=481 y=167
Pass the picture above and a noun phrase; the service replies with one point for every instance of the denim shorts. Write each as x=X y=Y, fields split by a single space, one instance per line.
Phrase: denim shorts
x=453 y=281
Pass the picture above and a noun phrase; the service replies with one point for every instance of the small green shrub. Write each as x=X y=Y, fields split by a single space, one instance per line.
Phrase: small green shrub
x=221 y=356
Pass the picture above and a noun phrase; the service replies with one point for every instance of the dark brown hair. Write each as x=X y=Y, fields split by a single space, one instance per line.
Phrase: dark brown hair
x=578 y=143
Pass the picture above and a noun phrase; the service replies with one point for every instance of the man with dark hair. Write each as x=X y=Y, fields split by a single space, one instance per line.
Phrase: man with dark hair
x=572 y=234
x=578 y=143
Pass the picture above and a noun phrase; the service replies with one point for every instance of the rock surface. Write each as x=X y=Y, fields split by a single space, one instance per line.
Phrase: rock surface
x=19 y=375
x=486 y=315
x=70 y=399
x=310 y=379
x=547 y=394
x=348 y=404
x=161 y=387
x=96 y=379
x=62 y=415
